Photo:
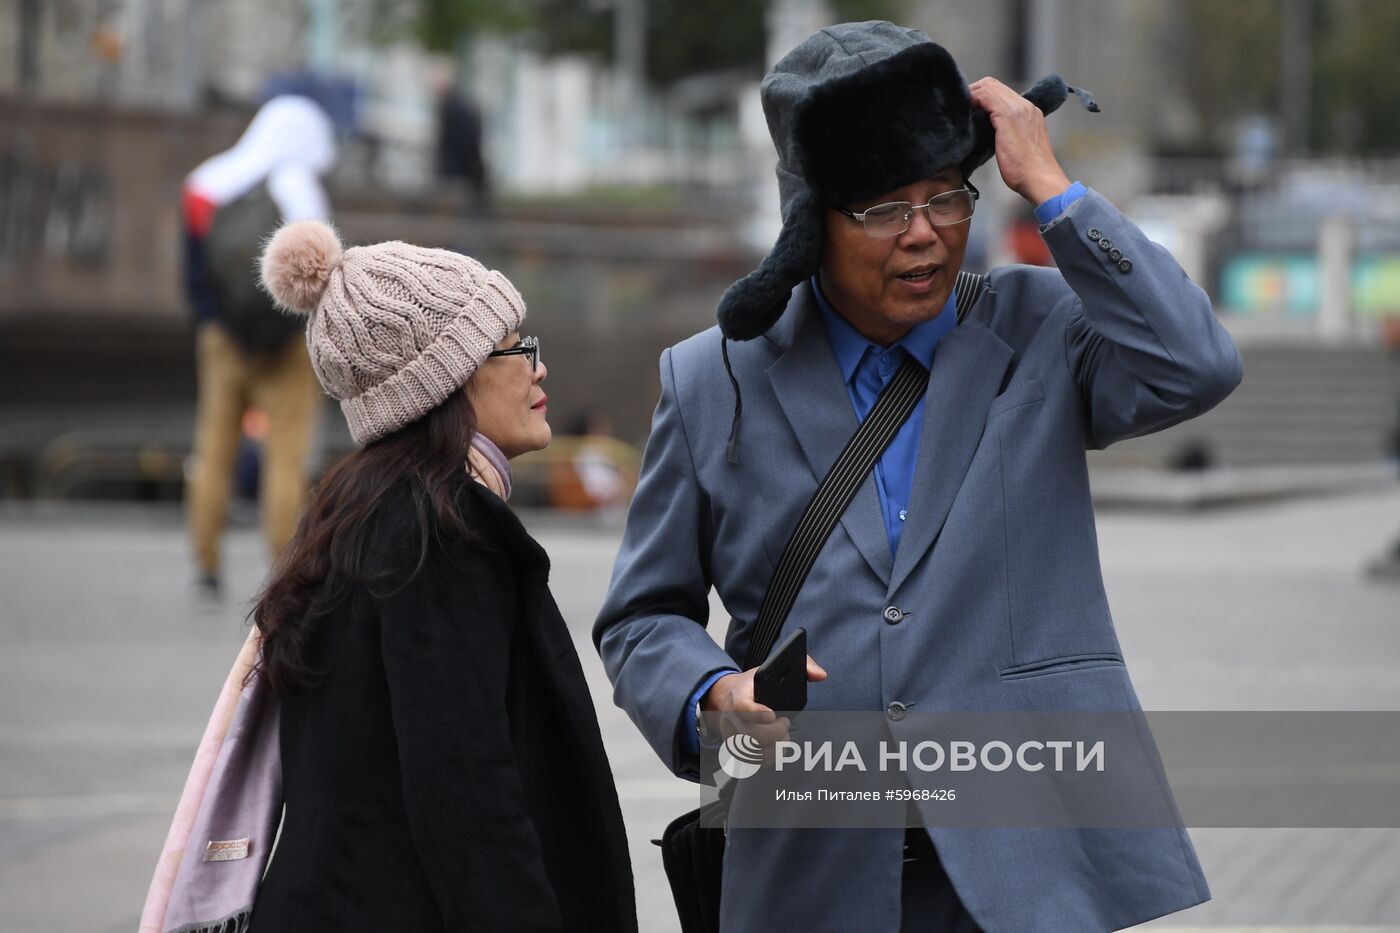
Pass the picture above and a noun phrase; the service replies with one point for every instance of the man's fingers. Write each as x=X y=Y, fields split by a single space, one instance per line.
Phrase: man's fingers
x=766 y=730
x=770 y=734
x=755 y=712
x=985 y=86
x=993 y=96
x=815 y=671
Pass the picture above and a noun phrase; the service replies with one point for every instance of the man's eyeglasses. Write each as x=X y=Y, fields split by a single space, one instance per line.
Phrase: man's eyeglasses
x=895 y=217
x=528 y=346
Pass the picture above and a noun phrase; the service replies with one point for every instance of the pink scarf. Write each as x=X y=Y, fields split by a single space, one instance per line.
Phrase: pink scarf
x=488 y=466
x=227 y=814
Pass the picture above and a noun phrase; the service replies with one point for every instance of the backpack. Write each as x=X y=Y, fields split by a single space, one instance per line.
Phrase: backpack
x=232 y=248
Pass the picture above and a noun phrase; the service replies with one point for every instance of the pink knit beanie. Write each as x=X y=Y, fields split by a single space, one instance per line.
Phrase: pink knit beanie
x=395 y=329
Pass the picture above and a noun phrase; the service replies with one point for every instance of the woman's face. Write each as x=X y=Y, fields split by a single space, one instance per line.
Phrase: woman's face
x=510 y=401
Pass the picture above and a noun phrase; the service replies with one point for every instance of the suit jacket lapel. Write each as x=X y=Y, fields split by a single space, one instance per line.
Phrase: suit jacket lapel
x=967 y=370
x=808 y=385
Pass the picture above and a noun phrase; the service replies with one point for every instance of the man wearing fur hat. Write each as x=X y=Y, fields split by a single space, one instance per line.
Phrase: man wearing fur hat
x=964 y=574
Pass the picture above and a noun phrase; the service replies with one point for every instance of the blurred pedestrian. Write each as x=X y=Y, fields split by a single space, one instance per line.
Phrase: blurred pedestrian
x=442 y=763
x=459 y=157
x=248 y=353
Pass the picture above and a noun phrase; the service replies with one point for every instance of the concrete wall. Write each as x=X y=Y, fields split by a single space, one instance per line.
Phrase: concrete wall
x=92 y=316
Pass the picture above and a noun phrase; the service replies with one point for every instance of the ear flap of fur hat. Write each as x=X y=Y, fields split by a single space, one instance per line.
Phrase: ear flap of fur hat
x=754 y=303
x=1048 y=94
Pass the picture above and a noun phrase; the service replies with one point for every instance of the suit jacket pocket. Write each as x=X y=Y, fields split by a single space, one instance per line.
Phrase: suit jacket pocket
x=1076 y=662
x=1021 y=393
x=1056 y=604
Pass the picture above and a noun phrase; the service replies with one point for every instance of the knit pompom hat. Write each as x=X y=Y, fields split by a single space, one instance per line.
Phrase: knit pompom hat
x=394 y=329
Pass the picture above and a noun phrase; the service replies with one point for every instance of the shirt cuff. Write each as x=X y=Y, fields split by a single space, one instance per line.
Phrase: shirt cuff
x=689 y=735
x=1057 y=205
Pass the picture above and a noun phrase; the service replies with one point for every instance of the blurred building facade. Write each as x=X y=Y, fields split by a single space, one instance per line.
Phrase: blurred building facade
x=168 y=54
x=559 y=125
x=624 y=210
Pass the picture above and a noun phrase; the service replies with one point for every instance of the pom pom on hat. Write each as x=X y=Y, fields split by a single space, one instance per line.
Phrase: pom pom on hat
x=297 y=264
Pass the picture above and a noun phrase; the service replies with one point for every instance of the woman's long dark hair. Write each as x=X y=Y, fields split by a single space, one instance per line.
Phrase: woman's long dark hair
x=326 y=555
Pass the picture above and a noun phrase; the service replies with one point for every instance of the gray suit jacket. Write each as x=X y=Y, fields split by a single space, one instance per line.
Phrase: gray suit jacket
x=998 y=565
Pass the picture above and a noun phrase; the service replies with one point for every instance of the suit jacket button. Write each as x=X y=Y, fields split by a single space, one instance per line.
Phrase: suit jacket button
x=893 y=615
x=1105 y=244
x=896 y=711
x=1115 y=254
x=1094 y=234
x=1125 y=265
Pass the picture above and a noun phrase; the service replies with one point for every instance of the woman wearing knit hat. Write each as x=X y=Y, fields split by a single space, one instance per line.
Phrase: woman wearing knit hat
x=442 y=763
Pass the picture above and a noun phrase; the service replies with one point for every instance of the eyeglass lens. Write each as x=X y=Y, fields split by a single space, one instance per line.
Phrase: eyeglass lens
x=529 y=347
x=951 y=207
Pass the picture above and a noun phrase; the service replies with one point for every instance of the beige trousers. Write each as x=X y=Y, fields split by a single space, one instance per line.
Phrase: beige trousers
x=280 y=383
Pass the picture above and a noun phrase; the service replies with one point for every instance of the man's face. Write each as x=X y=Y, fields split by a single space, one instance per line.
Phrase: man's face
x=875 y=282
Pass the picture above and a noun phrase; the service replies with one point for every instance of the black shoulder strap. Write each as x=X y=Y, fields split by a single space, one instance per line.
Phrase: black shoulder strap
x=969 y=287
x=842 y=481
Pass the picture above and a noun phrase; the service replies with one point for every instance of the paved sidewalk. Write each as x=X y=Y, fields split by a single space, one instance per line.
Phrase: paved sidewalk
x=108 y=665
x=1125 y=487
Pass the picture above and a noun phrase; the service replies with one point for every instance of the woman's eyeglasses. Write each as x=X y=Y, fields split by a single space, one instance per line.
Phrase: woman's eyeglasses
x=528 y=346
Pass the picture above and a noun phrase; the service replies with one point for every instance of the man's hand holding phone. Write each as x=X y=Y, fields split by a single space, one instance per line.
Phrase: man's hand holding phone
x=737 y=697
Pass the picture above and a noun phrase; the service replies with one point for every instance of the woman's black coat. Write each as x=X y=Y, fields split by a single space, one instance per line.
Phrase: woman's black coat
x=446 y=772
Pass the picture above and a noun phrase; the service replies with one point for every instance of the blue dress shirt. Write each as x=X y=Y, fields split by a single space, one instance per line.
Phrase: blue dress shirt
x=1060 y=203
x=866 y=368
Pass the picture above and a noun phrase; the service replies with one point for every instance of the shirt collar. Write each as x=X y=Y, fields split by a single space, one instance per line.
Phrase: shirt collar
x=850 y=345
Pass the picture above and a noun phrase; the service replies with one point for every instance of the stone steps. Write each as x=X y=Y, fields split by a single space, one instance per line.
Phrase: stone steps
x=1298 y=404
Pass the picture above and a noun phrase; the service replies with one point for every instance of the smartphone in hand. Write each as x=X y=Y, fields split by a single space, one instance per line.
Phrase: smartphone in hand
x=780 y=683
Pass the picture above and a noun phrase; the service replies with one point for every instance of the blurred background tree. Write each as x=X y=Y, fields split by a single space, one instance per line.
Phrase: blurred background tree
x=682 y=37
x=1232 y=51
x=1356 y=92
x=1327 y=68
x=441 y=25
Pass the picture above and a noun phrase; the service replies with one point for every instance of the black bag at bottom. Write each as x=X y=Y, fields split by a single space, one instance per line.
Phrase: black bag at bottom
x=693 y=856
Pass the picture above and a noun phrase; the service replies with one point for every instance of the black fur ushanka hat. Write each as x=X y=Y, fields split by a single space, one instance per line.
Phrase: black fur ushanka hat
x=857 y=110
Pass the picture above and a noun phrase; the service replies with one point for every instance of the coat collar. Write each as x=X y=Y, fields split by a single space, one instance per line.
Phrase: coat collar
x=530 y=556
x=967 y=372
